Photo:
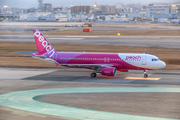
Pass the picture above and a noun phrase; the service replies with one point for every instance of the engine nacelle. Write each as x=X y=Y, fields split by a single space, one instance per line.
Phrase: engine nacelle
x=108 y=71
x=123 y=70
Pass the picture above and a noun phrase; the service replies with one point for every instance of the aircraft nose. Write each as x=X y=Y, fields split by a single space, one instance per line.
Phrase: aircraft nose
x=162 y=64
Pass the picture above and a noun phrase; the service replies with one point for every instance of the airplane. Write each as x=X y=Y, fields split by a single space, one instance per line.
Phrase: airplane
x=104 y=63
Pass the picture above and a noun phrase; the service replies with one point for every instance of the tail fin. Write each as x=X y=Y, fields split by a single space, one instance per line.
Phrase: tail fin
x=42 y=44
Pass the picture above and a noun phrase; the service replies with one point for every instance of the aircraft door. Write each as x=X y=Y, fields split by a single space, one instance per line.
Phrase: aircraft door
x=144 y=60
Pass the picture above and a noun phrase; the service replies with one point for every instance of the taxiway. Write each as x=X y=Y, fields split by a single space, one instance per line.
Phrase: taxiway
x=159 y=102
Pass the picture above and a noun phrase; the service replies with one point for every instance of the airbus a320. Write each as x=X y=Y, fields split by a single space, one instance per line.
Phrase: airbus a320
x=104 y=63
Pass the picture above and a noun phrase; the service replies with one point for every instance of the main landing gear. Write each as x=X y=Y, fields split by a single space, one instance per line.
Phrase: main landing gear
x=145 y=74
x=93 y=75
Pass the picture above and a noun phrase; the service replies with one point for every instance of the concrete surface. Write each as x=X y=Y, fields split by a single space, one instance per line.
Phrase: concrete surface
x=164 y=105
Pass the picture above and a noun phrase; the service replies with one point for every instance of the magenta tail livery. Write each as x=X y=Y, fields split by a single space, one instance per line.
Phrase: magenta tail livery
x=104 y=63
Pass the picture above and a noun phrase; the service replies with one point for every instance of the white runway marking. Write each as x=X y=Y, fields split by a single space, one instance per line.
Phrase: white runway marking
x=82 y=36
x=66 y=38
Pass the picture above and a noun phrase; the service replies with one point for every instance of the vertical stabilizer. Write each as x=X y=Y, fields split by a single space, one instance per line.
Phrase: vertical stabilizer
x=42 y=44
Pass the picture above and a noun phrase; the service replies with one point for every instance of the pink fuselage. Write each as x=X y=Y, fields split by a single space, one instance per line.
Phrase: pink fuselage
x=64 y=58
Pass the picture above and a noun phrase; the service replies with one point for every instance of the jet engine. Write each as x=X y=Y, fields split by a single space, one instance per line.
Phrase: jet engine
x=108 y=71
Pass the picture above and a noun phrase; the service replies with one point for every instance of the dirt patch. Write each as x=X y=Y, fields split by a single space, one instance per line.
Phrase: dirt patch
x=8 y=56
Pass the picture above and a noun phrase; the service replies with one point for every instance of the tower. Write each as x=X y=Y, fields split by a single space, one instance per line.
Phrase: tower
x=40 y=7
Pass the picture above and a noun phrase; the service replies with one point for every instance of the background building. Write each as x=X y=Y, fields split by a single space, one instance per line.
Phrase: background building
x=6 y=10
x=19 y=11
x=58 y=9
x=47 y=7
x=31 y=10
x=104 y=8
x=112 y=9
x=157 y=9
x=80 y=9
x=40 y=6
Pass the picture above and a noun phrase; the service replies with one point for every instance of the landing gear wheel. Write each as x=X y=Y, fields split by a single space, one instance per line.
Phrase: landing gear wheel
x=93 y=75
x=145 y=75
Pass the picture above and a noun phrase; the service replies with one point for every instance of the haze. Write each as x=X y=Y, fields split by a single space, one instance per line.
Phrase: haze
x=34 y=3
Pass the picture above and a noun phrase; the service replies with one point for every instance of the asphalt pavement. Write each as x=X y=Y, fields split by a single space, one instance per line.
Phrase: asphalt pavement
x=151 y=41
x=156 y=99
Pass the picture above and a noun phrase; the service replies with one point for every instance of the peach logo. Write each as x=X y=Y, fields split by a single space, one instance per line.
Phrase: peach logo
x=44 y=43
x=133 y=57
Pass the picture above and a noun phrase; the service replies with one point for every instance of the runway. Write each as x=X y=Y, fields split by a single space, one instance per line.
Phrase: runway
x=44 y=26
x=103 y=97
x=151 y=41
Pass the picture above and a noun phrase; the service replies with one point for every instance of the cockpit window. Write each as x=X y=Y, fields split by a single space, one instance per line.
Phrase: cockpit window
x=155 y=59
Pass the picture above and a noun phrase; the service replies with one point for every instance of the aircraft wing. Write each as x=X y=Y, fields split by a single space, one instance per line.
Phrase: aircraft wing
x=88 y=65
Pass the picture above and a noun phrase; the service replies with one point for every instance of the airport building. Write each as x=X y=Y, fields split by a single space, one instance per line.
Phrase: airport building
x=9 y=17
x=80 y=18
x=157 y=9
x=23 y=17
x=61 y=17
x=116 y=18
x=80 y=9
x=19 y=11
x=175 y=9
x=40 y=16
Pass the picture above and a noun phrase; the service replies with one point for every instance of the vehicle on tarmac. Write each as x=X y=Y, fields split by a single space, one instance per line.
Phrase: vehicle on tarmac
x=77 y=25
x=67 y=25
x=104 y=63
x=87 y=25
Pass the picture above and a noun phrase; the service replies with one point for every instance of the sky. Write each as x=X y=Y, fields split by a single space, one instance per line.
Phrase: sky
x=56 y=3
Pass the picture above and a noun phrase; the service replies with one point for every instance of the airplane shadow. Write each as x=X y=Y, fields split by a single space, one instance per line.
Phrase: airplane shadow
x=77 y=76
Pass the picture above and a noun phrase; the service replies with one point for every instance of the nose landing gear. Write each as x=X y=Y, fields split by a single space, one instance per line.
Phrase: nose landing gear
x=145 y=74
